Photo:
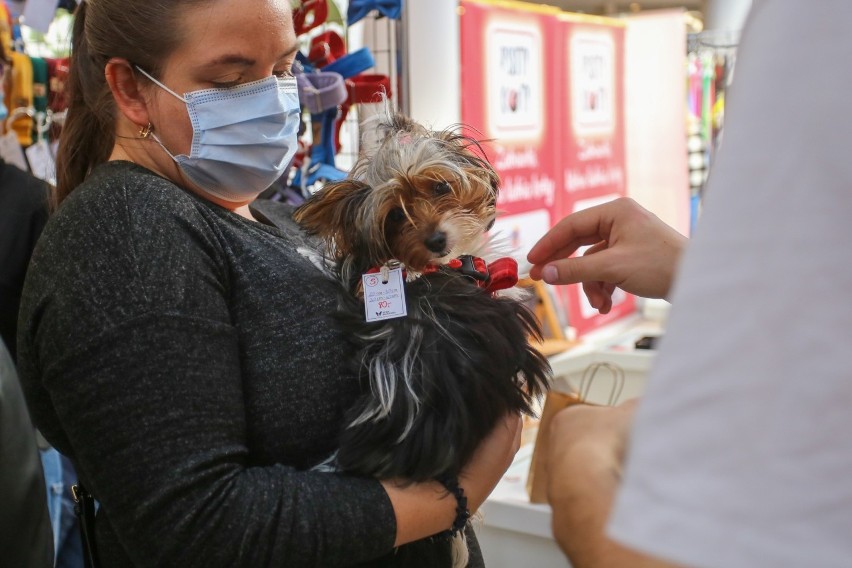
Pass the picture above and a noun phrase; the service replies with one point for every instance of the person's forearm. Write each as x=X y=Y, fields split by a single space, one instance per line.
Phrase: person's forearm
x=580 y=514
x=421 y=509
x=426 y=509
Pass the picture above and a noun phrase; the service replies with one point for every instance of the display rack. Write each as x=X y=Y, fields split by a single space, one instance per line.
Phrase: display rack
x=711 y=58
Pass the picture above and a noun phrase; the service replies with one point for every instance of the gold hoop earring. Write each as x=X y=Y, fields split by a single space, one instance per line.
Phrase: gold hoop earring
x=145 y=131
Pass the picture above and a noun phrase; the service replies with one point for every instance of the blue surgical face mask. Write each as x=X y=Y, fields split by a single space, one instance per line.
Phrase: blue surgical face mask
x=243 y=137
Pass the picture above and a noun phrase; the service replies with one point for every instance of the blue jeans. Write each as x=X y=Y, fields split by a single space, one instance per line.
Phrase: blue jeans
x=59 y=476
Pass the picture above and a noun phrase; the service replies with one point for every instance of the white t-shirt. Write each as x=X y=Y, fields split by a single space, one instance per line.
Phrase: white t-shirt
x=741 y=452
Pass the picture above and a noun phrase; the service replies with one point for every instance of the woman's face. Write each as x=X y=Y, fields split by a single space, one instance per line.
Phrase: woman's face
x=225 y=43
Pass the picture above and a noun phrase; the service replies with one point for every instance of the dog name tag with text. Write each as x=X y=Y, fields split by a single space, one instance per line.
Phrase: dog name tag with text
x=384 y=300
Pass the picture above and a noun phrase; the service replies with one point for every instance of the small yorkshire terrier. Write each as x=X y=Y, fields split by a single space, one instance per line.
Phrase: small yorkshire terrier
x=436 y=381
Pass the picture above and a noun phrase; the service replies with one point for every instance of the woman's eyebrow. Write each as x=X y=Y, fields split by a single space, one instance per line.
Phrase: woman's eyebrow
x=232 y=59
x=237 y=59
x=293 y=49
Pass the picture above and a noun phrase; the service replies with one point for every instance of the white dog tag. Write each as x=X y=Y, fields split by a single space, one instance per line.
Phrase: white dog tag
x=384 y=300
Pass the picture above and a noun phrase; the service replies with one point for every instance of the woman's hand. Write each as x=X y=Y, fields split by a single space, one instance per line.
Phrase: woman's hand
x=425 y=509
x=631 y=249
x=491 y=460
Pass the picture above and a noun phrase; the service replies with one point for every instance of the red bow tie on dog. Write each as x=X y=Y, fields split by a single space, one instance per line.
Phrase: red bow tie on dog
x=500 y=274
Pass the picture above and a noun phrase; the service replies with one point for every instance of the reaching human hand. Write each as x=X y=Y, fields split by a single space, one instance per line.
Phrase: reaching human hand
x=631 y=249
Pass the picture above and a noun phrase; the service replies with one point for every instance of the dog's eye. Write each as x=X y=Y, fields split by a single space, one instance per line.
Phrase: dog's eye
x=442 y=188
x=396 y=215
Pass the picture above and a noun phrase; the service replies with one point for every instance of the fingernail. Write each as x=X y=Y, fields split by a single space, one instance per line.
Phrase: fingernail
x=550 y=274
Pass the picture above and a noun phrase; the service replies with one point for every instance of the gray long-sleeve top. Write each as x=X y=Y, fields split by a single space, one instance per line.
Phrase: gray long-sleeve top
x=183 y=357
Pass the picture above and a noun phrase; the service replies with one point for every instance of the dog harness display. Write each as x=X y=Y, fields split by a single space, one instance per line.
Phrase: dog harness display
x=321 y=90
x=359 y=9
x=309 y=15
x=326 y=48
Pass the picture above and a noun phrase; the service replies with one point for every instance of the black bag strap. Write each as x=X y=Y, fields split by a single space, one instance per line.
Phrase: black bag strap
x=84 y=508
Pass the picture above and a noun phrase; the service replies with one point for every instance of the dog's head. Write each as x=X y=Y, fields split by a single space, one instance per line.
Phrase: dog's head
x=417 y=196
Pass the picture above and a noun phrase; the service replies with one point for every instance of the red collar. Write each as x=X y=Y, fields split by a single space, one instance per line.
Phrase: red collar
x=501 y=274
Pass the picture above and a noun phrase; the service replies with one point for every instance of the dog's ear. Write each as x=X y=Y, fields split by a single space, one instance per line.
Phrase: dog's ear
x=332 y=214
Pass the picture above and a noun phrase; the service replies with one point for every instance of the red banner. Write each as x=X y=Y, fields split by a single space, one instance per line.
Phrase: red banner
x=592 y=159
x=546 y=89
x=507 y=59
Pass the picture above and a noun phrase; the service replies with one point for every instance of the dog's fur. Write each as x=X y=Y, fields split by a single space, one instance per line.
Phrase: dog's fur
x=436 y=382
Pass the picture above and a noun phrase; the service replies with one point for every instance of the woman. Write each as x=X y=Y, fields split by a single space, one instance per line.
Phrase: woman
x=173 y=340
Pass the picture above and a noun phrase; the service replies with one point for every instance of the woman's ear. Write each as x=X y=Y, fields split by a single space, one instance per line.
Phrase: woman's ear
x=124 y=84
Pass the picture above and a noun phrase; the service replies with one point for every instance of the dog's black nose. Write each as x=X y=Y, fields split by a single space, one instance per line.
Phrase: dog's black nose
x=437 y=242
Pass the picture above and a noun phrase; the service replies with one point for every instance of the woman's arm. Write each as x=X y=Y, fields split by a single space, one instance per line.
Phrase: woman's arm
x=425 y=509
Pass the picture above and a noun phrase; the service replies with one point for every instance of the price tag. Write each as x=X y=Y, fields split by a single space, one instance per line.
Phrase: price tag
x=41 y=162
x=384 y=300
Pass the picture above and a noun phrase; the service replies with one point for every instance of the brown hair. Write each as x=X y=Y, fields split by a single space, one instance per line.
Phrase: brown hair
x=144 y=32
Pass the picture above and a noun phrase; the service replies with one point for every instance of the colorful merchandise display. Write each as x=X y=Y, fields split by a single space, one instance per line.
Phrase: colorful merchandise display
x=34 y=95
x=710 y=67
x=331 y=81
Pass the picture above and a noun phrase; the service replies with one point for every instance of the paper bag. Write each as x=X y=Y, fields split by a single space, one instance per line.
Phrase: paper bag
x=537 y=479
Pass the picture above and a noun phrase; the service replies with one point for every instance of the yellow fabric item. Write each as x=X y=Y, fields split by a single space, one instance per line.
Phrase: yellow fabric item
x=21 y=96
x=5 y=28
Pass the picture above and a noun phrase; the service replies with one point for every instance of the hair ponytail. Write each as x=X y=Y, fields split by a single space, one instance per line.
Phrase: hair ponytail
x=144 y=32
x=89 y=132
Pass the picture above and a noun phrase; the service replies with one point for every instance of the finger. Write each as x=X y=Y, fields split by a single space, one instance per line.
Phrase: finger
x=599 y=295
x=608 y=290
x=571 y=248
x=596 y=248
x=535 y=272
x=573 y=231
x=595 y=293
x=591 y=268
x=515 y=422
